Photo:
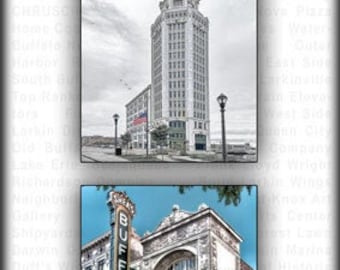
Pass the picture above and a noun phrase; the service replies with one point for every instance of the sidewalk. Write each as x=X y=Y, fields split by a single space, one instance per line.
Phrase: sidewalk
x=189 y=159
x=95 y=154
x=165 y=158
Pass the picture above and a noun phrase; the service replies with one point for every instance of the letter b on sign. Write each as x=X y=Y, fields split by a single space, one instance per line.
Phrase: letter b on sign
x=123 y=219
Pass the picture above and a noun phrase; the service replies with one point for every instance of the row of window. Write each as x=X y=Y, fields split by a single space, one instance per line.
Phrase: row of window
x=176 y=113
x=198 y=86
x=177 y=124
x=199 y=78
x=198 y=49
x=199 y=115
x=200 y=125
x=177 y=103
x=177 y=36
x=178 y=3
x=199 y=59
x=199 y=19
x=186 y=264
x=177 y=55
x=177 y=45
x=176 y=14
x=176 y=26
x=198 y=40
x=175 y=94
x=100 y=266
x=177 y=74
x=133 y=111
x=199 y=68
x=199 y=32
x=199 y=96
x=177 y=135
x=177 y=84
x=199 y=105
x=176 y=64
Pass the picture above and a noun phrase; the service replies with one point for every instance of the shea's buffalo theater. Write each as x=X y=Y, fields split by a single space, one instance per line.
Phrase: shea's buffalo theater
x=182 y=241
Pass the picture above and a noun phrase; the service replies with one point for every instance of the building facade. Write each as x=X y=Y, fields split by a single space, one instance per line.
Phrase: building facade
x=180 y=74
x=183 y=241
x=137 y=118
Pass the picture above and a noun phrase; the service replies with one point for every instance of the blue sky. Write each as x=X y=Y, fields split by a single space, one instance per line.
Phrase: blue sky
x=153 y=203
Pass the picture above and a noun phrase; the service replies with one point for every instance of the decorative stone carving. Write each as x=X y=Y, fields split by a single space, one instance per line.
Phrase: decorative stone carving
x=213 y=255
x=120 y=198
x=203 y=251
x=224 y=235
x=179 y=235
x=169 y=259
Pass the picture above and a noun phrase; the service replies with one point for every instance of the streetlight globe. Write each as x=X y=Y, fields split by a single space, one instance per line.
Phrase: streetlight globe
x=222 y=100
x=115 y=116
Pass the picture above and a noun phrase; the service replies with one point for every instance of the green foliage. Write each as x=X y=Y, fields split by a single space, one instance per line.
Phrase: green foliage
x=105 y=188
x=227 y=194
x=126 y=138
x=160 y=135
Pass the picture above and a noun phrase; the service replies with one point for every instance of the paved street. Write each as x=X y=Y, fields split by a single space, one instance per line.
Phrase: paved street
x=99 y=154
x=96 y=154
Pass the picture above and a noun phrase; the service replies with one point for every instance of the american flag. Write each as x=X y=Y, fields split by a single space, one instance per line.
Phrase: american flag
x=142 y=117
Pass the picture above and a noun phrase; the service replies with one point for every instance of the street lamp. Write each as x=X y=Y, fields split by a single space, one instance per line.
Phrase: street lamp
x=222 y=101
x=115 y=118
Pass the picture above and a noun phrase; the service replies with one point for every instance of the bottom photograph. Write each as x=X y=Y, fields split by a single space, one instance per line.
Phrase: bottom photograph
x=168 y=227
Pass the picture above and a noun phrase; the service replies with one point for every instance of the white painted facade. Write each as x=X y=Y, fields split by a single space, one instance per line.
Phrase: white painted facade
x=191 y=241
x=180 y=74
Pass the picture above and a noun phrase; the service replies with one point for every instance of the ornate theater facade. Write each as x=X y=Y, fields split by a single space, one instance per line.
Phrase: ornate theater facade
x=182 y=241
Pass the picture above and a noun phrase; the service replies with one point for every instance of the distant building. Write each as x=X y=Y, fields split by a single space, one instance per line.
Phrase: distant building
x=182 y=241
x=234 y=148
x=137 y=115
x=245 y=266
x=180 y=74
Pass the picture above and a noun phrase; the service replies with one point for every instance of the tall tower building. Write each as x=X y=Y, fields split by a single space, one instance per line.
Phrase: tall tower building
x=180 y=75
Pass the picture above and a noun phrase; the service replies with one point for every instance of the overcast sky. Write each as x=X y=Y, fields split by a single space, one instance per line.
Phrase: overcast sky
x=116 y=62
x=242 y=218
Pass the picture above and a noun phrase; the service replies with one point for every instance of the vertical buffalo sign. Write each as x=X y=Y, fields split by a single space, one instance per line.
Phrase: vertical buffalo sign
x=122 y=239
x=122 y=210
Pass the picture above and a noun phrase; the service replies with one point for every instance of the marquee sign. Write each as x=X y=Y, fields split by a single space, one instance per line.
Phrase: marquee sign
x=122 y=210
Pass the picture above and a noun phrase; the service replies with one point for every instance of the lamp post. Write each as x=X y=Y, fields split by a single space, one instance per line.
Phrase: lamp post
x=222 y=101
x=115 y=118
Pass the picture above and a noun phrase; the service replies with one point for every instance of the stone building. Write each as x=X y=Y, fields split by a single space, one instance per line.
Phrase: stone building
x=137 y=115
x=180 y=74
x=182 y=241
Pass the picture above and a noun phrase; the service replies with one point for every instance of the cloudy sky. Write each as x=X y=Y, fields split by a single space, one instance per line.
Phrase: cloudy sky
x=242 y=218
x=116 y=62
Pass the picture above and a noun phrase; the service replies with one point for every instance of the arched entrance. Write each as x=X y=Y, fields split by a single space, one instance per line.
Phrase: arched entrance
x=177 y=260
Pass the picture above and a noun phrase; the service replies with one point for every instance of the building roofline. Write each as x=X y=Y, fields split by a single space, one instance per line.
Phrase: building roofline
x=95 y=241
x=139 y=94
x=190 y=218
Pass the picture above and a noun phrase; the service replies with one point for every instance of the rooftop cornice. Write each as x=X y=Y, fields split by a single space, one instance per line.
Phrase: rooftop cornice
x=191 y=218
x=95 y=242
x=141 y=93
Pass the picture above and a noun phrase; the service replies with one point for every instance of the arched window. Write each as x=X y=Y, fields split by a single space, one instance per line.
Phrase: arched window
x=178 y=260
x=186 y=264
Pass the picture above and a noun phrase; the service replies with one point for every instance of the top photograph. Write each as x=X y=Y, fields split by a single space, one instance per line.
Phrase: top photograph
x=168 y=81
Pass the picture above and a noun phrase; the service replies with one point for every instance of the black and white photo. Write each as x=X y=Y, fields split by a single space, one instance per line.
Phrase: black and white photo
x=169 y=81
